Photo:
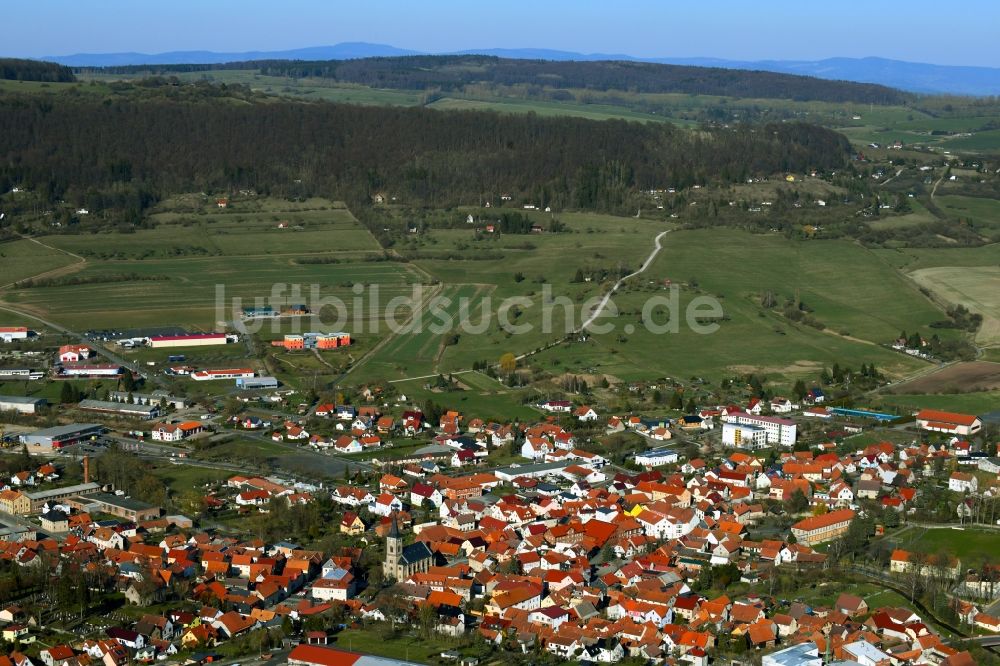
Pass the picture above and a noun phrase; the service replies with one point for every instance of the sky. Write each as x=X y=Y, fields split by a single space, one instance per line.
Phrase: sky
x=959 y=33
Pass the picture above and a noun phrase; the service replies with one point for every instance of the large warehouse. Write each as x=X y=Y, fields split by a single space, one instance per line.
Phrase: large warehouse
x=11 y=333
x=225 y=373
x=248 y=383
x=18 y=403
x=83 y=369
x=60 y=436
x=188 y=340
x=124 y=408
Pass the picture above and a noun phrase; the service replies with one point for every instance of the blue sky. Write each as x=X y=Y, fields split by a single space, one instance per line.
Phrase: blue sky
x=918 y=30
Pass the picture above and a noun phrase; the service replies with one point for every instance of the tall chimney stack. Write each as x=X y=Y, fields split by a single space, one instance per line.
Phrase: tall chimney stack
x=86 y=469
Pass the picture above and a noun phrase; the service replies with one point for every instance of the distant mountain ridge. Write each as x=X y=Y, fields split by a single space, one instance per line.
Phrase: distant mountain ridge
x=909 y=76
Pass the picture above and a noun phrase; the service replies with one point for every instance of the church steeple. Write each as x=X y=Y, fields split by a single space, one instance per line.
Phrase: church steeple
x=393 y=550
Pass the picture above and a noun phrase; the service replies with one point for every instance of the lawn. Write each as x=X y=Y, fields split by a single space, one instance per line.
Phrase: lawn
x=180 y=478
x=406 y=647
x=971 y=546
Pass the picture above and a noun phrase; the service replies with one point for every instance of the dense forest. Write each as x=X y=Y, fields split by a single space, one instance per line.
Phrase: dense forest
x=452 y=73
x=127 y=153
x=13 y=69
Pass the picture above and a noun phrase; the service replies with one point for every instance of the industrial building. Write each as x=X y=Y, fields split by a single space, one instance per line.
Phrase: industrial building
x=656 y=457
x=38 y=499
x=16 y=532
x=115 y=505
x=536 y=471
x=89 y=370
x=17 y=403
x=154 y=398
x=248 y=383
x=224 y=373
x=188 y=340
x=60 y=436
x=11 y=333
x=20 y=374
x=122 y=408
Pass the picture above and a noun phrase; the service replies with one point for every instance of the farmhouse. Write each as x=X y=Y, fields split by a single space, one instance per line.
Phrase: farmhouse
x=187 y=340
x=817 y=529
x=557 y=406
x=950 y=423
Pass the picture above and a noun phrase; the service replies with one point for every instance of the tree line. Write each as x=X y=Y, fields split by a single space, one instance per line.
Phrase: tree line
x=452 y=73
x=133 y=151
x=16 y=69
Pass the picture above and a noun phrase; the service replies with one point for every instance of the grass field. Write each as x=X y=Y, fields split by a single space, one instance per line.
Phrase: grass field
x=968 y=403
x=969 y=545
x=976 y=287
x=871 y=306
x=22 y=259
x=181 y=478
x=195 y=249
x=983 y=214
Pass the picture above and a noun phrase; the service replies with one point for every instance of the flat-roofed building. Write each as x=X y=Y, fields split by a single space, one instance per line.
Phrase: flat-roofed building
x=154 y=398
x=60 y=436
x=22 y=404
x=116 y=505
x=122 y=408
x=38 y=499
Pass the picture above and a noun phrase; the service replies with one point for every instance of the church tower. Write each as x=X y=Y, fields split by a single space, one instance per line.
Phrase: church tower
x=393 y=550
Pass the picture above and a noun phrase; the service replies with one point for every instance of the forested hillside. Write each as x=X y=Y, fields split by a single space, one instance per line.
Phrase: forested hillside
x=129 y=152
x=32 y=70
x=451 y=73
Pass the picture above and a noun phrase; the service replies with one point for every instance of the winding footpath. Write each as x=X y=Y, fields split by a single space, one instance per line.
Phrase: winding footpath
x=658 y=245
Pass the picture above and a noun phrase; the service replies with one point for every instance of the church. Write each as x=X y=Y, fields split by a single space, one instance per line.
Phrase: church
x=403 y=561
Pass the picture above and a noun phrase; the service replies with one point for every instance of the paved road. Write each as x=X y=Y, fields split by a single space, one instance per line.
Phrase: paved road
x=99 y=349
